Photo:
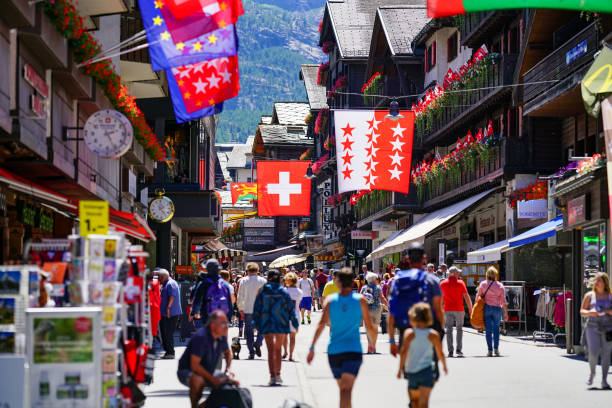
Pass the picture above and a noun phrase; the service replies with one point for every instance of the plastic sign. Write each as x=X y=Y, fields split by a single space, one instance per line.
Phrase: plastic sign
x=93 y=217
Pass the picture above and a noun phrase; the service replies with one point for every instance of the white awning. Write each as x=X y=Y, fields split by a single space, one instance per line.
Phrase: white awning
x=542 y=231
x=389 y=239
x=417 y=232
x=490 y=253
x=287 y=260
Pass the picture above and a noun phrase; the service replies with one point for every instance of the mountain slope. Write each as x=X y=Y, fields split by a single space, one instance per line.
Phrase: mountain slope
x=276 y=37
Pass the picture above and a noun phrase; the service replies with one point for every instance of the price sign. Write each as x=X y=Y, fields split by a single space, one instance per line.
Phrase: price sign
x=93 y=216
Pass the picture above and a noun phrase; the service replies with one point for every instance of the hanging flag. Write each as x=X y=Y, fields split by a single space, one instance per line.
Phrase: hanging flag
x=479 y=135
x=166 y=53
x=282 y=188
x=489 y=131
x=205 y=84
x=480 y=54
x=243 y=191
x=459 y=145
x=448 y=78
x=373 y=153
x=445 y=8
x=213 y=15
x=469 y=139
x=180 y=110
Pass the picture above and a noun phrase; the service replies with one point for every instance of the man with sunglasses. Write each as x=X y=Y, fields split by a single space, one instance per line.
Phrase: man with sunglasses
x=202 y=356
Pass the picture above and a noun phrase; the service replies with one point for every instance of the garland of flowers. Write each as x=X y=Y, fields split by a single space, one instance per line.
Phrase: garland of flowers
x=321 y=122
x=232 y=231
x=340 y=85
x=435 y=174
x=581 y=167
x=335 y=199
x=316 y=167
x=469 y=76
x=307 y=154
x=357 y=196
x=327 y=47
x=66 y=19
x=330 y=142
x=322 y=73
x=535 y=191
x=372 y=87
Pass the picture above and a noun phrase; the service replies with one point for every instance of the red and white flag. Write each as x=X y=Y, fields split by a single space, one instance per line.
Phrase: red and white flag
x=480 y=54
x=373 y=153
x=282 y=188
x=448 y=78
x=489 y=130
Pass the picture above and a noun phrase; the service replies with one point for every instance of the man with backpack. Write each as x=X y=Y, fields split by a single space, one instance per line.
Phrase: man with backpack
x=409 y=287
x=212 y=294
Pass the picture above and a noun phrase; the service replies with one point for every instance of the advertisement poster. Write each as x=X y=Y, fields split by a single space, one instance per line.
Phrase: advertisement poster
x=514 y=297
x=64 y=353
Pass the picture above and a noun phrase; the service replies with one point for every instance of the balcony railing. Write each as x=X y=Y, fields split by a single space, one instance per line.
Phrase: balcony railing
x=476 y=28
x=565 y=66
x=372 y=203
x=507 y=158
x=461 y=105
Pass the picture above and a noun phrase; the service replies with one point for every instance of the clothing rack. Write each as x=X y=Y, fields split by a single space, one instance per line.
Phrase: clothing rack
x=542 y=320
x=520 y=308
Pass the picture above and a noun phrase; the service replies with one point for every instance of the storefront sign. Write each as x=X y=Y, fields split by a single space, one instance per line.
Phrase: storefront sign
x=383 y=226
x=532 y=209
x=37 y=105
x=327 y=226
x=184 y=269
x=262 y=232
x=37 y=82
x=259 y=223
x=487 y=222
x=93 y=216
x=358 y=234
x=452 y=230
x=577 y=210
x=258 y=240
x=575 y=52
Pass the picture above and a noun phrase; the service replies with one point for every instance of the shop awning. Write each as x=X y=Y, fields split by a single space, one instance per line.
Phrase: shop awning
x=287 y=260
x=389 y=239
x=272 y=254
x=490 y=253
x=37 y=192
x=241 y=216
x=542 y=231
x=228 y=253
x=131 y=224
x=417 y=232
x=208 y=247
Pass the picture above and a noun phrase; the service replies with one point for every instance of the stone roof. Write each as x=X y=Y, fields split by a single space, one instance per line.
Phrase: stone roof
x=401 y=24
x=317 y=94
x=290 y=113
x=238 y=157
x=266 y=119
x=222 y=158
x=353 y=22
x=279 y=135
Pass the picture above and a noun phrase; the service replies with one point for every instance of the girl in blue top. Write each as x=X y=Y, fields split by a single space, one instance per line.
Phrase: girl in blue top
x=345 y=311
x=416 y=355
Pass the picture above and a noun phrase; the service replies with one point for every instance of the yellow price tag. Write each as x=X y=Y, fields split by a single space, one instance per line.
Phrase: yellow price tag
x=93 y=217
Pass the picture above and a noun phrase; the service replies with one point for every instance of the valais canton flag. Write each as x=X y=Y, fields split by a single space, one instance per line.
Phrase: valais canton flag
x=373 y=153
x=178 y=103
x=198 y=17
x=204 y=84
x=166 y=53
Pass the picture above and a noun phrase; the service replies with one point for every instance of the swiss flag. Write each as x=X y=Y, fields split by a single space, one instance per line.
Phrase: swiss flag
x=448 y=79
x=489 y=131
x=282 y=188
x=480 y=54
x=373 y=151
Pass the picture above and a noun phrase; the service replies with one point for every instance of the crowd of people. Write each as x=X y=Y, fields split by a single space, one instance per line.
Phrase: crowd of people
x=417 y=306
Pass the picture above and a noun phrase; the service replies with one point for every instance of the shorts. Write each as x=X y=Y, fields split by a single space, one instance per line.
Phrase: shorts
x=183 y=376
x=345 y=363
x=423 y=378
x=320 y=291
x=375 y=316
x=306 y=303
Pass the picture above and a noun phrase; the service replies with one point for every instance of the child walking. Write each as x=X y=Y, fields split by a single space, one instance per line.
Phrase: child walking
x=416 y=355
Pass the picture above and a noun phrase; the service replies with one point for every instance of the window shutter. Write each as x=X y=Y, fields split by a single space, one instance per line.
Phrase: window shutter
x=426 y=54
x=448 y=48
x=433 y=54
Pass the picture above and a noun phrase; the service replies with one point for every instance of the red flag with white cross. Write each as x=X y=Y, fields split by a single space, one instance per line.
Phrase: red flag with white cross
x=207 y=83
x=282 y=188
x=373 y=152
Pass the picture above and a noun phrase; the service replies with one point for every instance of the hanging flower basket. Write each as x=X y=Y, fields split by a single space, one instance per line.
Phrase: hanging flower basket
x=316 y=167
x=328 y=46
x=321 y=122
x=329 y=143
x=307 y=154
x=372 y=87
x=340 y=85
x=537 y=190
x=322 y=73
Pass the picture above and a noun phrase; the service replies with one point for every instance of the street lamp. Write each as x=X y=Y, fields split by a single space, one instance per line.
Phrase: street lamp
x=394 y=111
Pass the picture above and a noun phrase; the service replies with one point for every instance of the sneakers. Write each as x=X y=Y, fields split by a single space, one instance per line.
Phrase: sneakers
x=309 y=321
x=450 y=353
x=257 y=349
x=489 y=353
x=272 y=381
x=302 y=321
x=459 y=354
x=251 y=356
x=168 y=357
x=240 y=332
x=605 y=385
x=496 y=352
x=279 y=380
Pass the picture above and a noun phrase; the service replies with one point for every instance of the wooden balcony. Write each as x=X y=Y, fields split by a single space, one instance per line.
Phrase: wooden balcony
x=477 y=28
x=466 y=105
x=565 y=66
x=508 y=159
x=384 y=205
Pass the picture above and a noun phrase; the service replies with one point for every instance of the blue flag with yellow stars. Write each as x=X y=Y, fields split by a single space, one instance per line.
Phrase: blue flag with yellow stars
x=166 y=52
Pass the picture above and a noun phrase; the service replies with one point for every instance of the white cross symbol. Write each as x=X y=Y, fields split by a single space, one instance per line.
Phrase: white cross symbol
x=284 y=189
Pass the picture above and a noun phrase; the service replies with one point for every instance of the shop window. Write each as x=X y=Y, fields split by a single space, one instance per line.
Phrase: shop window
x=594 y=247
x=487 y=238
x=430 y=57
x=452 y=47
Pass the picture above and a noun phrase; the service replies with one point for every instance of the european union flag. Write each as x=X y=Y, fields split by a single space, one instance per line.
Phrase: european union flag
x=166 y=53
x=180 y=111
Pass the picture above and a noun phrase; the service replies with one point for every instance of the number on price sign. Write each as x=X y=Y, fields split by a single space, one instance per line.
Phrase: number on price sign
x=93 y=217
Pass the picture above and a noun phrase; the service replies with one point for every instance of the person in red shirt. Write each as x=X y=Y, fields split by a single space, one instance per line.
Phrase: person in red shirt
x=454 y=293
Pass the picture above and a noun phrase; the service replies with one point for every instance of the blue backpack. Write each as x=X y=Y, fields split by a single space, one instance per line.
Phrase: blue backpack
x=409 y=287
x=217 y=297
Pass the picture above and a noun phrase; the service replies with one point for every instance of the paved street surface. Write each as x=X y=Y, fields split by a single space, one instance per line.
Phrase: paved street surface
x=526 y=375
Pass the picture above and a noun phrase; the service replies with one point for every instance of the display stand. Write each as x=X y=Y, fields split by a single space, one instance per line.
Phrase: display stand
x=515 y=301
x=542 y=331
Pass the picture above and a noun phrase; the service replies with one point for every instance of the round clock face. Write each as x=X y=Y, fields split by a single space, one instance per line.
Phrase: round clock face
x=108 y=134
x=161 y=209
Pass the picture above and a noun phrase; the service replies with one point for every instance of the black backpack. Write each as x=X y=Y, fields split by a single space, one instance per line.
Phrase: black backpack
x=229 y=396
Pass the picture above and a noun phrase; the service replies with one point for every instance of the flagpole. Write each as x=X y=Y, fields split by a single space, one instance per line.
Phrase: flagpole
x=104 y=57
x=139 y=36
x=606 y=113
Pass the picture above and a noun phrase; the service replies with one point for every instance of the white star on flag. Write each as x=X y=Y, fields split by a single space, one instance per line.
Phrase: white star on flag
x=374 y=150
x=397 y=144
x=395 y=173
x=375 y=137
x=396 y=159
x=199 y=67
x=227 y=76
x=200 y=86
x=184 y=72
x=398 y=131
x=372 y=179
x=372 y=165
x=213 y=81
x=374 y=124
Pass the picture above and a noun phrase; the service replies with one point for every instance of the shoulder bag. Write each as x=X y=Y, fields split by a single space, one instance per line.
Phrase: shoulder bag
x=477 y=317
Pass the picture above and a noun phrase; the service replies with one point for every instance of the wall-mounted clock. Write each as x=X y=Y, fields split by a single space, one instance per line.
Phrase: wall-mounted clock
x=108 y=133
x=161 y=208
